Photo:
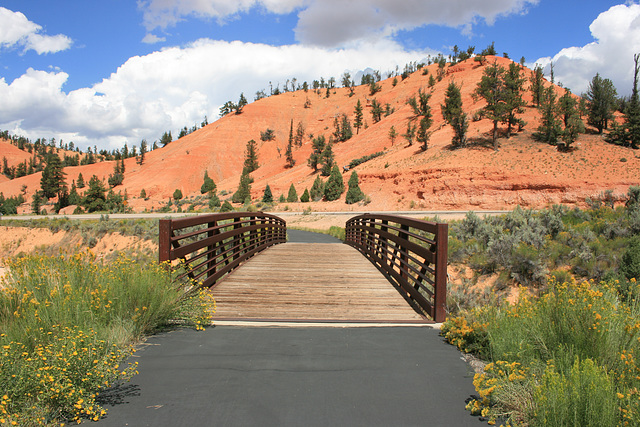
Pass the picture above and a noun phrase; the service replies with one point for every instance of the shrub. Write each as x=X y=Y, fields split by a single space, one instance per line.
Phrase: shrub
x=177 y=195
x=67 y=324
x=305 y=196
x=630 y=262
x=226 y=207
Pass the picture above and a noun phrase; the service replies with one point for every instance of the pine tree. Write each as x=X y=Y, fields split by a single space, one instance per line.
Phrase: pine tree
x=567 y=106
x=166 y=138
x=289 y=153
x=94 y=198
x=549 y=129
x=632 y=112
x=244 y=189
x=52 y=181
x=354 y=194
x=80 y=180
x=143 y=152
x=305 y=196
x=537 y=85
x=454 y=115
x=422 y=110
x=177 y=195
x=328 y=160
x=492 y=89
x=392 y=135
x=267 y=197
x=335 y=185
x=317 y=189
x=251 y=157
x=36 y=202
x=241 y=103
x=601 y=96
x=345 y=129
x=315 y=158
x=514 y=88
x=299 y=137
x=292 y=197
x=376 y=111
x=208 y=186
x=357 y=123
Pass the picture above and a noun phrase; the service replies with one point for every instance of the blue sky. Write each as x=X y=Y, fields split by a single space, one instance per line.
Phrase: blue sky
x=108 y=72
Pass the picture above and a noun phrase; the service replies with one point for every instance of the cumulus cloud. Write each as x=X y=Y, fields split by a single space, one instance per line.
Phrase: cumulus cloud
x=17 y=31
x=177 y=86
x=337 y=22
x=165 y=13
x=616 y=34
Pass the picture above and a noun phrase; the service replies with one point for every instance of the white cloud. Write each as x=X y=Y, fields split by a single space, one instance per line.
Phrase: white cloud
x=169 y=89
x=152 y=39
x=17 y=30
x=338 y=22
x=616 y=34
x=166 y=13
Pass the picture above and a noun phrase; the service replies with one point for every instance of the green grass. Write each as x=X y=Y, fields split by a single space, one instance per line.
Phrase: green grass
x=68 y=322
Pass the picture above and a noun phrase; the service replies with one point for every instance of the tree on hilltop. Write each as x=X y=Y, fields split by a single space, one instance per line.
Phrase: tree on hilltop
x=454 y=115
x=601 y=97
x=492 y=89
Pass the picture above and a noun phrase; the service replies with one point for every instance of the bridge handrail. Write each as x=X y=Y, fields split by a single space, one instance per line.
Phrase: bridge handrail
x=412 y=252
x=213 y=245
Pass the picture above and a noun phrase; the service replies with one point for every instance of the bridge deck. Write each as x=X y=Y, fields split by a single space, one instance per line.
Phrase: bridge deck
x=310 y=281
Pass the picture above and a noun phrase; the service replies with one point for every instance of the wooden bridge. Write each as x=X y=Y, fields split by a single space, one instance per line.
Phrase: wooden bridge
x=392 y=269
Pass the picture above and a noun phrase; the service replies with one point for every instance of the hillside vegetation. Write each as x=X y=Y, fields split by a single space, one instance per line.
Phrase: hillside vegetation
x=373 y=121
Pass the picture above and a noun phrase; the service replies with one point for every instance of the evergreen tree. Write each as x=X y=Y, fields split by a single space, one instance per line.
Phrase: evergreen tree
x=226 y=207
x=143 y=151
x=305 y=196
x=177 y=195
x=166 y=138
x=251 y=157
x=52 y=181
x=292 y=197
x=628 y=133
x=601 y=96
x=549 y=129
x=267 y=197
x=632 y=112
x=376 y=111
x=317 y=189
x=354 y=194
x=299 y=137
x=74 y=197
x=537 y=85
x=514 y=88
x=357 y=123
x=94 y=198
x=492 y=89
x=574 y=127
x=345 y=129
x=454 y=115
x=241 y=103
x=208 y=186
x=328 y=160
x=36 y=202
x=567 y=107
x=422 y=110
x=315 y=158
x=80 y=180
x=143 y=194
x=289 y=153
x=244 y=189
x=335 y=185
x=410 y=133
x=392 y=135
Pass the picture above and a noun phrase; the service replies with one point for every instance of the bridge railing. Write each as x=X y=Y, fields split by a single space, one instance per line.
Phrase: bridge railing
x=213 y=245
x=413 y=254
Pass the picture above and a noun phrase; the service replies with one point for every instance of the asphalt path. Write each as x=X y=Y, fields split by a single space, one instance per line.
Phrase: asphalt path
x=295 y=376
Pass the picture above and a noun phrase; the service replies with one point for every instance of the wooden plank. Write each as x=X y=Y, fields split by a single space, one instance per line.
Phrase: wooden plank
x=304 y=281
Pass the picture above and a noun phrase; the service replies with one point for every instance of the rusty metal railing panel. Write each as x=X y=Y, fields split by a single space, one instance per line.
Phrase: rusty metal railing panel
x=412 y=252
x=212 y=245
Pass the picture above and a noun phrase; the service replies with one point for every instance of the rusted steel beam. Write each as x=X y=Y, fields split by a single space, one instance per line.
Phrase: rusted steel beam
x=415 y=262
